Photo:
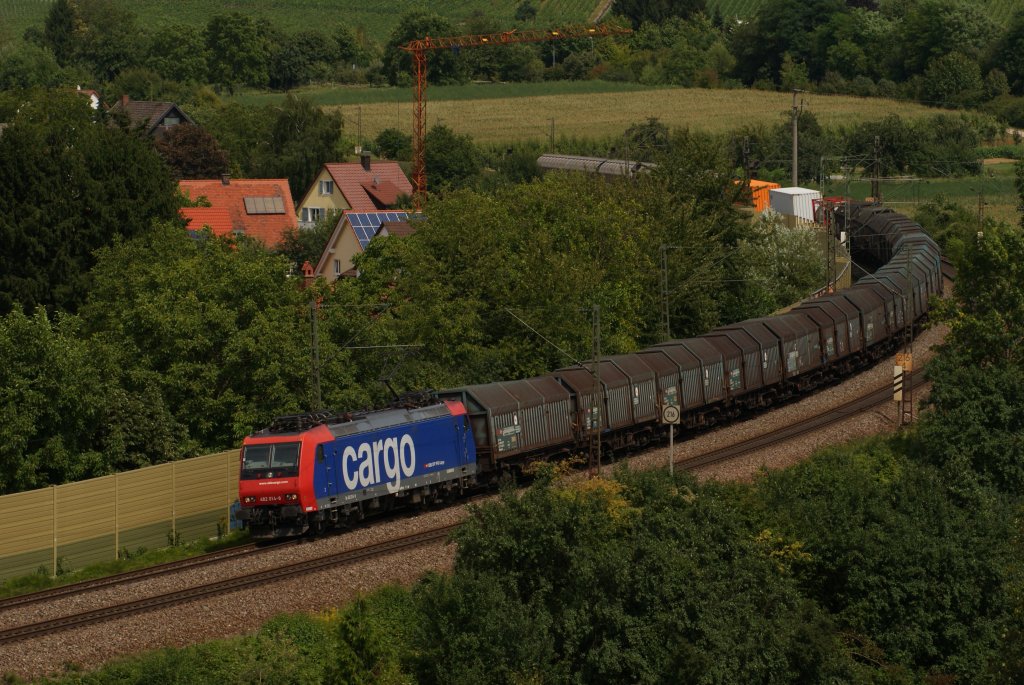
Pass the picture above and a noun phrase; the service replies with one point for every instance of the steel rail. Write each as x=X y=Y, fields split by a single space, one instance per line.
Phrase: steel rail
x=217 y=588
x=783 y=434
x=130 y=576
x=831 y=416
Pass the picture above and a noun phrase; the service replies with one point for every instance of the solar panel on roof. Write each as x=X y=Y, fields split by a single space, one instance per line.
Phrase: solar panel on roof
x=264 y=205
x=366 y=224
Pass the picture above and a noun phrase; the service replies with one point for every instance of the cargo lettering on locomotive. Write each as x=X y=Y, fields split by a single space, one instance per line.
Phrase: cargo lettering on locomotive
x=361 y=464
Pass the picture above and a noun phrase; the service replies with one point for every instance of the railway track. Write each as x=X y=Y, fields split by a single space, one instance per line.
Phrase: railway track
x=132 y=576
x=835 y=415
x=198 y=592
x=865 y=402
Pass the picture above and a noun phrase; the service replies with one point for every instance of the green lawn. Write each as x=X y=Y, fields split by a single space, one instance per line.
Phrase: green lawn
x=376 y=18
x=361 y=95
x=511 y=113
x=994 y=188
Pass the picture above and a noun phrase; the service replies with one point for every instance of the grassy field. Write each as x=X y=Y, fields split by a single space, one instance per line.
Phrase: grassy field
x=994 y=188
x=511 y=113
x=376 y=18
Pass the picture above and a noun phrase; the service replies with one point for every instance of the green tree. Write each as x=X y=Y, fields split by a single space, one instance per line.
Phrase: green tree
x=618 y=582
x=847 y=58
x=178 y=52
x=908 y=565
x=297 y=60
x=638 y=11
x=760 y=46
x=453 y=161
x=67 y=187
x=547 y=251
x=392 y=143
x=28 y=66
x=110 y=42
x=1009 y=52
x=933 y=28
x=97 y=34
x=238 y=52
x=302 y=138
x=526 y=11
x=60 y=31
x=952 y=79
x=191 y=152
x=244 y=131
x=69 y=407
x=777 y=266
x=302 y=245
x=218 y=326
x=976 y=422
x=443 y=66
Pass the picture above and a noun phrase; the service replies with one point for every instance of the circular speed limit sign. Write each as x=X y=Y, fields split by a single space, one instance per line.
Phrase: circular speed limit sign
x=670 y=414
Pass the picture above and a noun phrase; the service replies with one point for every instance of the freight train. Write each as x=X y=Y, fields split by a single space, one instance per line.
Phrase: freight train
x=314 y=471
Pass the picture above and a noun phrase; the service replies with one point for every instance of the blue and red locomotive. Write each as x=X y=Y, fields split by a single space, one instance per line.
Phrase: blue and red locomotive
x=312 y=471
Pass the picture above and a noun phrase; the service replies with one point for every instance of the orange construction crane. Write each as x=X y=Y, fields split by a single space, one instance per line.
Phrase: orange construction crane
x=419 y=49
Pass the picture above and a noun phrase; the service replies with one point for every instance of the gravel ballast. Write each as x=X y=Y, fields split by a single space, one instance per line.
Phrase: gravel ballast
x=243 y=611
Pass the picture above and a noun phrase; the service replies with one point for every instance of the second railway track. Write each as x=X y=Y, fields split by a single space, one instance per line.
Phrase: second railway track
x=116 y=611
x=863 y=402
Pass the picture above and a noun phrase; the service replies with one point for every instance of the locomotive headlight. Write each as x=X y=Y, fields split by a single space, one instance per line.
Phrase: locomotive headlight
x=291 y=497
x=249 y=500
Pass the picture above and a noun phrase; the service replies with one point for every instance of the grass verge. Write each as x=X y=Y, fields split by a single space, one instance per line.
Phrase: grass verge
x=43 y=581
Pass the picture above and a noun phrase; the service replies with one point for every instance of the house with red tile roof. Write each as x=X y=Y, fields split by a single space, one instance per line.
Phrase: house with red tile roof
x=217 y=219
x=260 y=208
x=155 y=118
x=353 y=233
x=362 y=186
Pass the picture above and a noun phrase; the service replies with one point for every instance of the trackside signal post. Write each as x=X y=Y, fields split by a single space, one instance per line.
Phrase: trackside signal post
x=670 y=415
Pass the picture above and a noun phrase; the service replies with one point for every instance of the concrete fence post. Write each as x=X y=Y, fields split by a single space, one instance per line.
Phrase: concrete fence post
x=53 y=526
x=117 y=525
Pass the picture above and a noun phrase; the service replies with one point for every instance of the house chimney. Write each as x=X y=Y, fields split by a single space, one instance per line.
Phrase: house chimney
x=225 y=179
x=365 y=159
x=124 y=100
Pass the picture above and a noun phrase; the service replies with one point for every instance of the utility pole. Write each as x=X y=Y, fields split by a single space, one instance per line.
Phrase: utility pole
x=359 y=129
x=598 y=390
x=746 y=166
x=796 y=135
x=665 y=315
x=876 y=191
x=551 y=135
x=907 y=399
x=314 y=324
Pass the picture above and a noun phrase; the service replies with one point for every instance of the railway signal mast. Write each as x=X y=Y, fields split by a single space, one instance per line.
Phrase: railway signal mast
x=419 y=49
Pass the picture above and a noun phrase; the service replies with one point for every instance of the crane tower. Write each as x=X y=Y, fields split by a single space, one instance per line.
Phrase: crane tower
x=419 y=48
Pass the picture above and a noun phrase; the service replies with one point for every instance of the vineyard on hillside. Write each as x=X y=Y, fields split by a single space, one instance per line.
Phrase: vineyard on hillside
x=376 y=18
x=1000 y=11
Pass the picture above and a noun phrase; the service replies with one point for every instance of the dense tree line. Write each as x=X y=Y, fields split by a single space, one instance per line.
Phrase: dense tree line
x=945 y=52
x=893 y=560
x=863 y=565
x=198 y=342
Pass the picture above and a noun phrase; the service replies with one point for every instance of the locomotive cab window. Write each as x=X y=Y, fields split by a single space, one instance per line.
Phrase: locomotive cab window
x=270 y=461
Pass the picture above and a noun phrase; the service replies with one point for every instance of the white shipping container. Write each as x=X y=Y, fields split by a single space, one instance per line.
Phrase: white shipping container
x=796 y=202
